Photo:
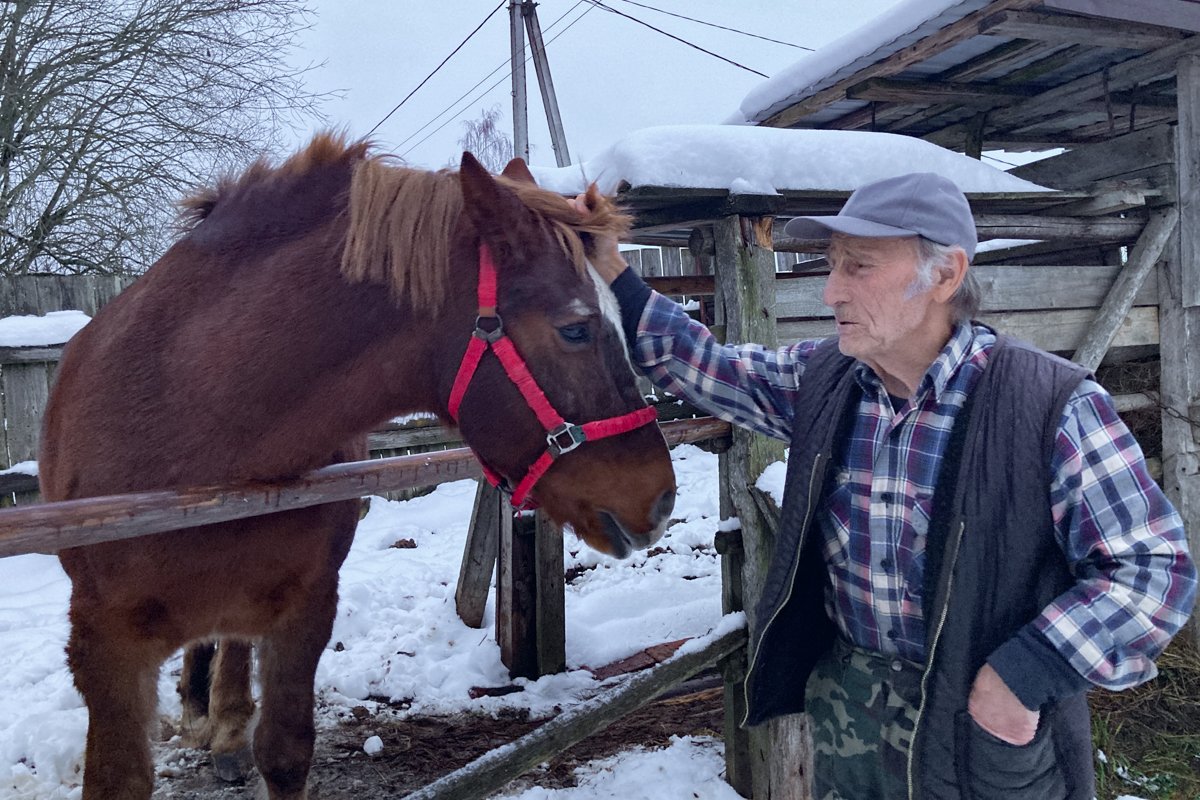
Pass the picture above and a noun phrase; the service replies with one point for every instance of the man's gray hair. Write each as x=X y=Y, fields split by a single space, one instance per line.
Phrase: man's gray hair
x=931 y=255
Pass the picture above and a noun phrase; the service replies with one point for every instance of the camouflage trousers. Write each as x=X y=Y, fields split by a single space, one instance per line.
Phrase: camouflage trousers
x=862 y=707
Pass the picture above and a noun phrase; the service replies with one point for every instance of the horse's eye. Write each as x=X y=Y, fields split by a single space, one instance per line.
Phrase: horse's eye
x=575 y=334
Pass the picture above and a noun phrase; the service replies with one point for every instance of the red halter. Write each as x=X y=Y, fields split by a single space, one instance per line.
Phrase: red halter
x=561 y=436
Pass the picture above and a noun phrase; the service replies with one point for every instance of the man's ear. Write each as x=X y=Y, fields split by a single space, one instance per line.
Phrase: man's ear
x=949 y=275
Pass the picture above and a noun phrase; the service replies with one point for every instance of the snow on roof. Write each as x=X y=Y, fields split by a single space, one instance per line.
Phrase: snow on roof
x=900 y=26
x=750 y=160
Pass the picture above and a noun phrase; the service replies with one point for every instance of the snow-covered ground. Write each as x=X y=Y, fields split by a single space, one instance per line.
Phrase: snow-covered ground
x=397 y=636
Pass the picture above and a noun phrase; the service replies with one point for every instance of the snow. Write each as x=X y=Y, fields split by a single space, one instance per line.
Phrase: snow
x=22 y=468
x=55 y=327
x=877 y=39
x=397 y=636
x=751 y=160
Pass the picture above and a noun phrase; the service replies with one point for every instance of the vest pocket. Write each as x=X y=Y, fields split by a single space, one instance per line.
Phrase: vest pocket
x=989 y=768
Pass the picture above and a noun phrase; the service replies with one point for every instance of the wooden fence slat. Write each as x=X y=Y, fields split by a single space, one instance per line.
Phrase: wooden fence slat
x=26 y=391
x=550 y=612
x=50 y=527
x=652 y=266
x=493 y=770
x=516 y=593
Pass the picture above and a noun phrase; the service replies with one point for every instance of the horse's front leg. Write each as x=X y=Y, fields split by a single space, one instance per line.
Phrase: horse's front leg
x=116 y=671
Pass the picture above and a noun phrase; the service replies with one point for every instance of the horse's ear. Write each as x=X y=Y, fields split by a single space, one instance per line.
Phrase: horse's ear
x=518 y=170
x=495 y=209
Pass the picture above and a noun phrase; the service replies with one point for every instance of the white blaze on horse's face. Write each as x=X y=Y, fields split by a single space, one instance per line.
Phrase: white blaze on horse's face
x=609 y=308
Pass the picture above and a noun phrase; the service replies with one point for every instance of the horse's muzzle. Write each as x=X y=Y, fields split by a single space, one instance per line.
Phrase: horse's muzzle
x=622 y=541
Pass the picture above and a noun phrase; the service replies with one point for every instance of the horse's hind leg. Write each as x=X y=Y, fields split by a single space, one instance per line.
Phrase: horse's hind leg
x=230 y=709
x=193 y=688
x=117 y=676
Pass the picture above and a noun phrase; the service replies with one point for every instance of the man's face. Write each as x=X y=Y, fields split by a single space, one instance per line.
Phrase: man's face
x=872 y=291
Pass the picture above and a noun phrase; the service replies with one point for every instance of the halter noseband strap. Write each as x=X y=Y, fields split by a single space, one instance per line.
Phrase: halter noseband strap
x=561 y=436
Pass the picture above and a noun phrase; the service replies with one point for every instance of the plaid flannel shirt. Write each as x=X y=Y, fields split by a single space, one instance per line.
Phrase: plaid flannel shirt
x=1125 y=543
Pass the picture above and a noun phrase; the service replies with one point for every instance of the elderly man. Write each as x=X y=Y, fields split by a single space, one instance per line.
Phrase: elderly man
x=969 y=537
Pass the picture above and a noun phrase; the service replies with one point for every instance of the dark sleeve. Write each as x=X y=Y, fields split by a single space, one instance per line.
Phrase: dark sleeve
x=632 y=295
x=1035 y=671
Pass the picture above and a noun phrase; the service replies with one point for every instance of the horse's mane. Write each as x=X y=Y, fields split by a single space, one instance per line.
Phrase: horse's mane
x=400 y=218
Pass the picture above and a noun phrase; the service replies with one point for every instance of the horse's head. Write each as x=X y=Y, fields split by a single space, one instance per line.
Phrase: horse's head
x=617 y=487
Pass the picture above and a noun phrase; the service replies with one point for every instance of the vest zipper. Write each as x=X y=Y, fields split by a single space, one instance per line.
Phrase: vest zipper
x=937 y=634
x=791 y=583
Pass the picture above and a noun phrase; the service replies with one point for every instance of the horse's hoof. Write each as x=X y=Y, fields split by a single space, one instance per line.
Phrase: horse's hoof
x=233 y=767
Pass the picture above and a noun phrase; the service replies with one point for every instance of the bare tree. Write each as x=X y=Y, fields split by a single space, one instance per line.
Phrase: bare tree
x=110 y=110
x=484 y=140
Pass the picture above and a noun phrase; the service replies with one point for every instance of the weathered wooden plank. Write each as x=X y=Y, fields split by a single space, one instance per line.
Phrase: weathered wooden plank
x=550 y=608
x=1057 y=331
x=1084 y=166
x=739 y=772
x=1005 y=288
x=1029 y=226
x=26 y=391
x=29 y=355
x=1181 y=15
x=51 y=527
x=934 y=91
x=652 y=263
x=484 y=776
x=515 y=598
x=489 y=516
x=1121 y=296
x=672 y=262
x=1068 y=29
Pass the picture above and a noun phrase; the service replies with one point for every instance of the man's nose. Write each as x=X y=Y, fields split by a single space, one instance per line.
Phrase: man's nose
x=835 y=290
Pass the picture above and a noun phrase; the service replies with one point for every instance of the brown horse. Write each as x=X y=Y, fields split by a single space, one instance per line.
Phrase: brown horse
x=307 y=304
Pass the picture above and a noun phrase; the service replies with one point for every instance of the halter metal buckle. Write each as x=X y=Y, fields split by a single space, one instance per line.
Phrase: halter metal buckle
x=492 y=336
x=565 y=438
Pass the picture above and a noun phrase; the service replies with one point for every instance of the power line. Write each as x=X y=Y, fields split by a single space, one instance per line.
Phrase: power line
x=722 y=27
x=676 y=38
x=439 y=66
x=485 y=92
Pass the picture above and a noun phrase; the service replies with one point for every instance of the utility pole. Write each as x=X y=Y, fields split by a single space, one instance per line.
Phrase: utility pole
x=527 y=9
x=516 y=31
x=546 y=83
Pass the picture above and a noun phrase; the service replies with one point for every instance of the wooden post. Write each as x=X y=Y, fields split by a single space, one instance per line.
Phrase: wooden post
x=745 y=278
x=1179 y=324
x=516 y=590
x=1145 y=256
x=489 y=518
x=738 y=770
x=550 y=618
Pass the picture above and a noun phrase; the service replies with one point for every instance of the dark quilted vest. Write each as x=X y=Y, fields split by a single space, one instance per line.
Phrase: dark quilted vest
x=992 y=563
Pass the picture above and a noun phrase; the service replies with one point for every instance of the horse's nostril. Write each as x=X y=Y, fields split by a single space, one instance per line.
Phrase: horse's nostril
x=663 y=507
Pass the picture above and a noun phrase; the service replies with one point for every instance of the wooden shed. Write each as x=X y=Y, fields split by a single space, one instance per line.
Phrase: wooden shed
x=1103 y=270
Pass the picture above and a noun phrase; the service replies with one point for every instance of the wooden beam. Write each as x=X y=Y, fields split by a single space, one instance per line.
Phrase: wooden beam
x=1028 y=226
x=1052 y=102
x=1144 y=258
x=936 y=42
x=1058 y=331
x=1188 y=159
x=1168 y=13
x=490 y=772
x=1069 y=29
x=921 y=91
x=50 y=527
x=1106 y=161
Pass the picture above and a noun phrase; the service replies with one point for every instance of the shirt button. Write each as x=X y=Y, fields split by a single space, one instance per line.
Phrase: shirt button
x=893 y=634
x=886 y=564
x=886 y=497
x=897 y=666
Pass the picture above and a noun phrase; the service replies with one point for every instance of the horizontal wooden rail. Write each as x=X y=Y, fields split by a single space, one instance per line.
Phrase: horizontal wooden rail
x=50 y=527
x=490 y=772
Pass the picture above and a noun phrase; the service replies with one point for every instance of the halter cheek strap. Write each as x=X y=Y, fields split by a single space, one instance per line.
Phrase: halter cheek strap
x=561 y=436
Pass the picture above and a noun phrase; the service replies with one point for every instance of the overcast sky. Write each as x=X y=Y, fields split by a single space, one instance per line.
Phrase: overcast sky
x=611 y=74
